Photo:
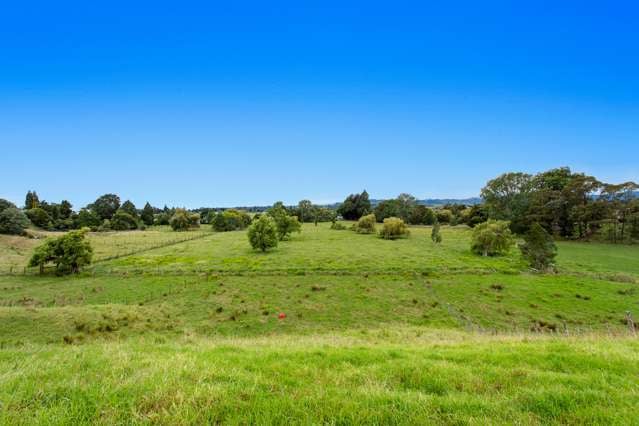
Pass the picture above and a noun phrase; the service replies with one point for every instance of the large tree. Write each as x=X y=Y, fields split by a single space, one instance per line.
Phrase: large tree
x=106 y=206
x=147 y=214
x=355 y=206
x=31 y=200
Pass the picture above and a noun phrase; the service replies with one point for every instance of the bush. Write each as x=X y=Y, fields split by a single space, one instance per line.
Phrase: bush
x=87 y=218
x=444 y=216
x=421 y=215
x=182 y=220
x=538 y=248
x=13 y=221
x=39 y=218
x=162 y=219
x=365 y=225
x=285 y=224
x=393 y=228
x=230 y=220
x=262 y=233
x=492 y=238
x=123 y=221
x=6 y=204
x=69 y=252
x=337 y=226
x=435 y=234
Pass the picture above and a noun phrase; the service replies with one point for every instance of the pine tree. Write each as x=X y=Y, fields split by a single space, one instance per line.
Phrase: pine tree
x=147 y=214
x=31 y=201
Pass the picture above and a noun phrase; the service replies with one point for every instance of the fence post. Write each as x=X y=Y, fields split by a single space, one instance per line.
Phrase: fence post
x=630 y=322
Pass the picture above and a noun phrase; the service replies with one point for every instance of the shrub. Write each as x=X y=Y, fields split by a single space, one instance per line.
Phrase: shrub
x=365 y=225
x=39 y=217
x=435 y=234
x=538 y=248
x=444 y=216
x=262 y=233
x=421 y=215
x=182 y=220
x=230 y=220
x=393 y=228
x=123 y=221
x=5 y=204
x=13 y=221
x=491 y=238
x=162 y=219
x=337 y=226
x=87 y=218
x=69 y=252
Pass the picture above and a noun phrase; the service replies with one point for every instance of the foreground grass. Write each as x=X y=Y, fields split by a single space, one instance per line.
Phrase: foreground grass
x=407 y=376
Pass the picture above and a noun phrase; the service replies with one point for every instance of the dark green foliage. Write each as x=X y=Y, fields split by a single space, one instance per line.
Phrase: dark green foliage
x=129 y=208
x=182 y=220
x=393 y=229
x=355 y=206
x=474 y=215
x=230 y=220
x=39 y=217
x=444 y=215
x=66 y=210
x=435 y=234
x=492 y=238
x=538 y=248
x=87 y=218
x=5 y=204
x=262 y=233
x=123 y=221
x=386 y=208
x=31 y=200
x=162 y=218
x=147 y=214
x=305 y=211
x=106 y=206
x=421 y=215
x=68 y=253
x=13 y=221
x=365 y=225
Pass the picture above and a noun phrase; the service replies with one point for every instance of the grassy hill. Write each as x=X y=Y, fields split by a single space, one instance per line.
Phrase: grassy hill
x=375 y=331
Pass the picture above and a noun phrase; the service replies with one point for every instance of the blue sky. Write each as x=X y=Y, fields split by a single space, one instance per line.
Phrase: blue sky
x=243 y=103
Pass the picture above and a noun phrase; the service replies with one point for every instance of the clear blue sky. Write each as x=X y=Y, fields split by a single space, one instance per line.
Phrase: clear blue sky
x=243 y=103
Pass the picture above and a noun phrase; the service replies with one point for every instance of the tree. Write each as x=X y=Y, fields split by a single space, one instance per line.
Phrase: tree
x=262 y=233
x=355 y=206
x=305 y=211
x=366 y=224
x=87 y=218
x=406 y=203
x=385 y=209
x=492 y=238
x=421 y=215
x=5 y=204
x=123 y=221
x=39 y=218
x=230 y=220
x=129 y=208
x=66 y=209
x=69 y=252
x=435 y=234
x=147 y=214
x=475 y=215
x=285 y=224
x=393 y=228
x=31 y=201
x=182 y=220
x=507 y=196
x=13 y=221
x=106 y=206
x=538 y=248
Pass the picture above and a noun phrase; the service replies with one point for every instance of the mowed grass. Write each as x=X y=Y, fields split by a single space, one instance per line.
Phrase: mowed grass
x=406 y=376
x=375 y=332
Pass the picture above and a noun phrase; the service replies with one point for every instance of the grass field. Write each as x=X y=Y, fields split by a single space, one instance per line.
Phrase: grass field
x=376 y=332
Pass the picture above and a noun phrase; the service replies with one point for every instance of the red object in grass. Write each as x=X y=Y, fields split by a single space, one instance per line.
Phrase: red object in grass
x=282 y=315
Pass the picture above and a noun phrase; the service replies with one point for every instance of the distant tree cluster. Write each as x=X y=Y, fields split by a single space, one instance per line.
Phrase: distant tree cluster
x=565 y=204
x=229 y=220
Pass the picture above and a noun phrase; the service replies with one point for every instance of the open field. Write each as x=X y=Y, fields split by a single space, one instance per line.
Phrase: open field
x=392 y=332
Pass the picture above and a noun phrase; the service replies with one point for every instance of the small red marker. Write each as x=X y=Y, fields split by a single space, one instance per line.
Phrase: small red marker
x=282 y=315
